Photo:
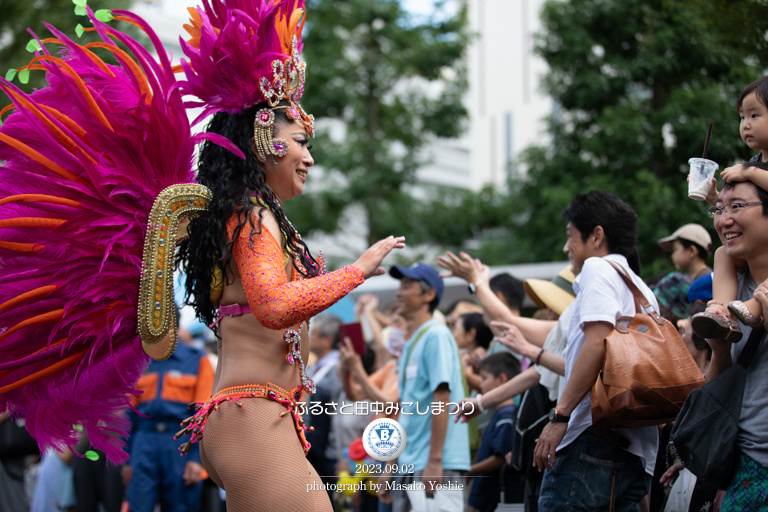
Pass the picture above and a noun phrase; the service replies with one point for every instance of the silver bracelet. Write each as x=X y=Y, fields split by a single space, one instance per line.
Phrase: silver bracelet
x=480 y=402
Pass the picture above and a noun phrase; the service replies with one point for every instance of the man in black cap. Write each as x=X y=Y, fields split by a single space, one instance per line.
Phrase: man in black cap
x=430 y=378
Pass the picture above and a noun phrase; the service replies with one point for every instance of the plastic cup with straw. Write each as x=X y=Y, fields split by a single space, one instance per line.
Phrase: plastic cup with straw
x=701 y=173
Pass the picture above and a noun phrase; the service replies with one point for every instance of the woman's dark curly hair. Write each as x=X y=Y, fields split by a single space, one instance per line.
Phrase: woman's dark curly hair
x=233 y=182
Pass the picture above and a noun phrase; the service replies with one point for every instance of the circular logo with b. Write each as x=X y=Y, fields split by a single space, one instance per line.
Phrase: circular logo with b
x=384 y=439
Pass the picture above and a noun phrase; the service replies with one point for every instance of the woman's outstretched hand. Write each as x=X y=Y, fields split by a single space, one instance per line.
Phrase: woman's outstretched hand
x=371 y=259
x=462 y=266
x=467 y=409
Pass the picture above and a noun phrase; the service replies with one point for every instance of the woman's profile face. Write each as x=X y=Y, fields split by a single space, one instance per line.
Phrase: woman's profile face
x=288 y=176
x=462 y=337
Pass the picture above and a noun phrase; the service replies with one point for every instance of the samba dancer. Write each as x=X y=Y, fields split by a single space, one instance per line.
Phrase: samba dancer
x=246 y=259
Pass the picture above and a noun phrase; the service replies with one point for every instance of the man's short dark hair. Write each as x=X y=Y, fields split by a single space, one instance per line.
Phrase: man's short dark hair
x=762 y=194
x=425 y=288
x=759 y=87
x=500 y=362
x=511 y=288
x=703 y=253
x=483 y=334
x=617 y=218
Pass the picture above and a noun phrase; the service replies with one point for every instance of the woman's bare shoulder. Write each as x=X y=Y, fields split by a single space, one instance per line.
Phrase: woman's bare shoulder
x=261 y=218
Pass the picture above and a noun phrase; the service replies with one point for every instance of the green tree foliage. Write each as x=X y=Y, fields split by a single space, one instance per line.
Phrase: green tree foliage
x=625 y=73
x=18 y=16
x=741 y=24
x=395 y=84
x=635 y=83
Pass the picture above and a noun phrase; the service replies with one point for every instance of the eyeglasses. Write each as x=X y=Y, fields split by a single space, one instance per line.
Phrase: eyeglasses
x=732 y=208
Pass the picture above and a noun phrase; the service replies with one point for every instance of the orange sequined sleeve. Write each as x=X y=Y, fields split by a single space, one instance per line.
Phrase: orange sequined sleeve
x=276 y=302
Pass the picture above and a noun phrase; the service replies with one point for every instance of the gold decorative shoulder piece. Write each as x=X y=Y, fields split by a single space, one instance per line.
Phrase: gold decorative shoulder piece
x=157 y=316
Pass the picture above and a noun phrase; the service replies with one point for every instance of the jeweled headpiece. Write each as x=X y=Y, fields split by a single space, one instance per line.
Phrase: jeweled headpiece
x=246 y=52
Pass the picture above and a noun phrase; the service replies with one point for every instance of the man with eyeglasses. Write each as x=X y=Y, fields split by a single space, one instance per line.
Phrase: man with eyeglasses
x=741 y=221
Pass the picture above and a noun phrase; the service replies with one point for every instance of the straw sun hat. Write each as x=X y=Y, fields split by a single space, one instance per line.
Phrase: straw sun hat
x=556 y=294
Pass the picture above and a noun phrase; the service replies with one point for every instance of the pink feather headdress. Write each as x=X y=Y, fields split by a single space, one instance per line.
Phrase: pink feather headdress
x=82 y=163
x=245 y=52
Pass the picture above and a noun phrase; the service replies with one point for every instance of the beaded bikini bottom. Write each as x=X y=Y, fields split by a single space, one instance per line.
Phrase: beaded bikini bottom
x=195 y=425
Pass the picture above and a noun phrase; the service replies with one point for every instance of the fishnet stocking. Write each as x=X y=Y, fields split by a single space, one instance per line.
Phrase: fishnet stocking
x=257 y=458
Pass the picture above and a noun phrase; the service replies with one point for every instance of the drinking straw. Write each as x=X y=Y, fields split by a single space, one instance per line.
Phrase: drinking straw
x=706 y=144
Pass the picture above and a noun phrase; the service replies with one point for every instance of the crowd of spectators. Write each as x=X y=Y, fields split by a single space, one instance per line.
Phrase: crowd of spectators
x=501 y=372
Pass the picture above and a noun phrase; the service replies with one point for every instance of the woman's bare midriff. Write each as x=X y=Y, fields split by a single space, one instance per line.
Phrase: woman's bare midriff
x=250 y=353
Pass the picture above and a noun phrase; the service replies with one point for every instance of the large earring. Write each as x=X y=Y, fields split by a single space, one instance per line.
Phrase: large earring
x=280 y=147
x=262 y=133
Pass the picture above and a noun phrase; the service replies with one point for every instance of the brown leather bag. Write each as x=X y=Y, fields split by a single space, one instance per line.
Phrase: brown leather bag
x=647 y=372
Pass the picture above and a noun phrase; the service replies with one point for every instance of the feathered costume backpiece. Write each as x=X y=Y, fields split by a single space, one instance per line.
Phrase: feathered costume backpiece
x=96 y=174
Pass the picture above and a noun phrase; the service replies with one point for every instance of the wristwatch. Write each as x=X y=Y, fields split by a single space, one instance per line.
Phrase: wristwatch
x=473 y=286
x=558 y=418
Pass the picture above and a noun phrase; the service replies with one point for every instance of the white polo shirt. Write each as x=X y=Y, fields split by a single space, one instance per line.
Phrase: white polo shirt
x=602 y=296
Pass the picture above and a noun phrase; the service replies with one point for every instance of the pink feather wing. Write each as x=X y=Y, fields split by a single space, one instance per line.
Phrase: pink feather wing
x=81 y=162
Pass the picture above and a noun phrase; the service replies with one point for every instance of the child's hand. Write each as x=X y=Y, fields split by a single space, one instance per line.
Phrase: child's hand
x=736 y=173
x=717 y=307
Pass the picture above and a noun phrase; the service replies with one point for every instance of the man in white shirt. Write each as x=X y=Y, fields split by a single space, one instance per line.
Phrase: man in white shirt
x=590 y=468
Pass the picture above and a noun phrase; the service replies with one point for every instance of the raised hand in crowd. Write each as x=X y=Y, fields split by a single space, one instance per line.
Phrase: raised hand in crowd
x=359 y=387
x=475 y=272
x=465 y=267
x=471 y=360
x=366 y=304
x=511 y=337
x=349 y=360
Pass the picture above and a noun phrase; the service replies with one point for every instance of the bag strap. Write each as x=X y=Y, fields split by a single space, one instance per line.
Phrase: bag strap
x=640 y=300
x=410 y=351
x=748 y=353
